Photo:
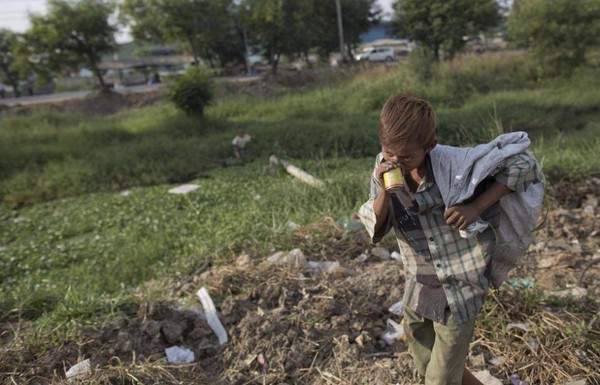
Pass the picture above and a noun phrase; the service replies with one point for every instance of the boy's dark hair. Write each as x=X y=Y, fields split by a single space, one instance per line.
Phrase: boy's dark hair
x=406 y=118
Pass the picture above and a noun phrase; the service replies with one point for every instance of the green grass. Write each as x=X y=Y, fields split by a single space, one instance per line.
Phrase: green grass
x=72 y=248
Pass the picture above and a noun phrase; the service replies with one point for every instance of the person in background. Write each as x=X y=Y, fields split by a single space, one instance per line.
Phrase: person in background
x=239 y=144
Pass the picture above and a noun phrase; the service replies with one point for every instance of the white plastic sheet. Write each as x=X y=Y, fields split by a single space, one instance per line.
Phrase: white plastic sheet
x=211 y=315
x=179 y=355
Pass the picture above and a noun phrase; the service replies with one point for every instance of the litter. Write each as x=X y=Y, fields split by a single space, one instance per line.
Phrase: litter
x=396 y=255
x=580 y=382
x=473 y=229
x=485 y=377
x=393 y=333
x=520 y=282
x=361 y=258
x=294 y=258
x=329 y=267
x=397 y=308
x=177 y=355
x=184 y=189
x=79 y=369
x=523 y=326
x=291 y=225
x=516 y=380
x=125 y=193
x=211 y=315
x=497 y=361
x=350 y=223
x=381 y=252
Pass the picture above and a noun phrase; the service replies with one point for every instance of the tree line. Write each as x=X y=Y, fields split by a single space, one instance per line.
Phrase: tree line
x=78 y=33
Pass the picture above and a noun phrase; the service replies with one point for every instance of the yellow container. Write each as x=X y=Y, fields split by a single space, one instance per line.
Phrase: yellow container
x=393 y=179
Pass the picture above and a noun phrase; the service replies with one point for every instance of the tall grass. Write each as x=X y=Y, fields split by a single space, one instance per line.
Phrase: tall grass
x=47 y=155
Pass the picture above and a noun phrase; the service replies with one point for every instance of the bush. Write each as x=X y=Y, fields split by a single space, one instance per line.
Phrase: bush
x=559 y=32
x=192 y=92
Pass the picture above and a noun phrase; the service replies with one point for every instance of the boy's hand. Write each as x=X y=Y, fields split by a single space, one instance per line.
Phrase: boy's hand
x=384 y=167
x=461 y=216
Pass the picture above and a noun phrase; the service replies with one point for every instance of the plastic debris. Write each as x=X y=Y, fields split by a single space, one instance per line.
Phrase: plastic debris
x=125 y=193
x=81 y=368
x=350 y=223
x=294 y=258
x=520 y=282
x=519 y=325
x=381 y=252
x=485 y=377
x=329 y=267
x=516 y=380
x=291 y=225
x=178 y=355
x=394 y=332
x=211 y=315
x=184 y=189
x=473 y=229
x=397 y=308
x=574 y=293
x=361 y=258
x=497 y=361
x=396 y=255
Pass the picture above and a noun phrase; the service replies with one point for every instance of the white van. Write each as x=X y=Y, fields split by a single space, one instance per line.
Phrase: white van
x=376 y=54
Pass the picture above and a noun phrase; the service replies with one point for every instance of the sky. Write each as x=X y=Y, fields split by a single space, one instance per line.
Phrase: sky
x=14 y=14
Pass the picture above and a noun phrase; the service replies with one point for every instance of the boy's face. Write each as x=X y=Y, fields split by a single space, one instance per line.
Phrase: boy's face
x=410 y=156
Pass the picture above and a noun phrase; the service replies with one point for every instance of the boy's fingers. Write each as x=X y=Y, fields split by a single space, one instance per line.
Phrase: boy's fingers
x=448 y=212
x=453 y=217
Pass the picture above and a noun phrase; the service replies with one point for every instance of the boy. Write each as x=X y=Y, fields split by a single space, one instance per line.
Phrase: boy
x=445 y=190
x=239 y=144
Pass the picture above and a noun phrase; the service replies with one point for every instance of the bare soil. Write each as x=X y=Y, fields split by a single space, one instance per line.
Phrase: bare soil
x=296 y=326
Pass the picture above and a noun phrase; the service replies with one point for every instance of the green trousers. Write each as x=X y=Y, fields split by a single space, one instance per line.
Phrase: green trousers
x=439 y=351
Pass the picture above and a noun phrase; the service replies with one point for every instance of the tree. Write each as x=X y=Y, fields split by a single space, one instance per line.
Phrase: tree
x=559 y=32
x=201 y=27
x=73 y=34
x=442 y=25
x=9 y=72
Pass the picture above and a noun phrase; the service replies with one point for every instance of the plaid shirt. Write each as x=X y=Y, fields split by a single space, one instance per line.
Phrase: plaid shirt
x=442 y=269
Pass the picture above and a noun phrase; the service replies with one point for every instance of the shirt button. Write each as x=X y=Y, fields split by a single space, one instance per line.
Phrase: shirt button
x=431 y=239
x=438 y=265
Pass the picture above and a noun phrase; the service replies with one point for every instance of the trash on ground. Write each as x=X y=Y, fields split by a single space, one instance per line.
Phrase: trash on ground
x=78 y=369
x=329 y=267
x=178 y=355
x=291 y=225
x=485 y=377
x=574 y=293
x=350 y=223
x=397 y=308
x=519 y=325
x=394 y=332
x=520 y=282
x=396 y=255
x=211 y=315
x=381 y=252
x=296 y=171
x=184 y=189
x=294 y=258
x=516 y=380
x=362 y=257
x=125 y=193
x=497 y=361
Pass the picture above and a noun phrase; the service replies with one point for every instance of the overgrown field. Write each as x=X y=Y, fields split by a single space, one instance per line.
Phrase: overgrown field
x=88 y=231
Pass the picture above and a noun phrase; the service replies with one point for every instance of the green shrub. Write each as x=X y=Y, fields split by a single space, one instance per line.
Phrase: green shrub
x=559 y=32
x=420 y=63
x=192 y=92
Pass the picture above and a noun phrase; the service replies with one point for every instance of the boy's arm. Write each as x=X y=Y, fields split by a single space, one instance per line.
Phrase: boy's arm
x=462 y=216
x=374 y=213
x=513 y=175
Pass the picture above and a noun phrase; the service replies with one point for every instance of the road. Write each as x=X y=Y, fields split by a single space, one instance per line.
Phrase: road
x=63 y=96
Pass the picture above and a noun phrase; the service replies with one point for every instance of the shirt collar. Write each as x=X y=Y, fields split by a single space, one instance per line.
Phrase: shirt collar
x=428 y=179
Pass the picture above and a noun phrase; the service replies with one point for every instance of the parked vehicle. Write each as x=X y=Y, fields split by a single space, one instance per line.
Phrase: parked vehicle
x=376 y=54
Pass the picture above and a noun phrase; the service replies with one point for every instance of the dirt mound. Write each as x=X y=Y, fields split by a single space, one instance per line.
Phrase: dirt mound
x=290 y=323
